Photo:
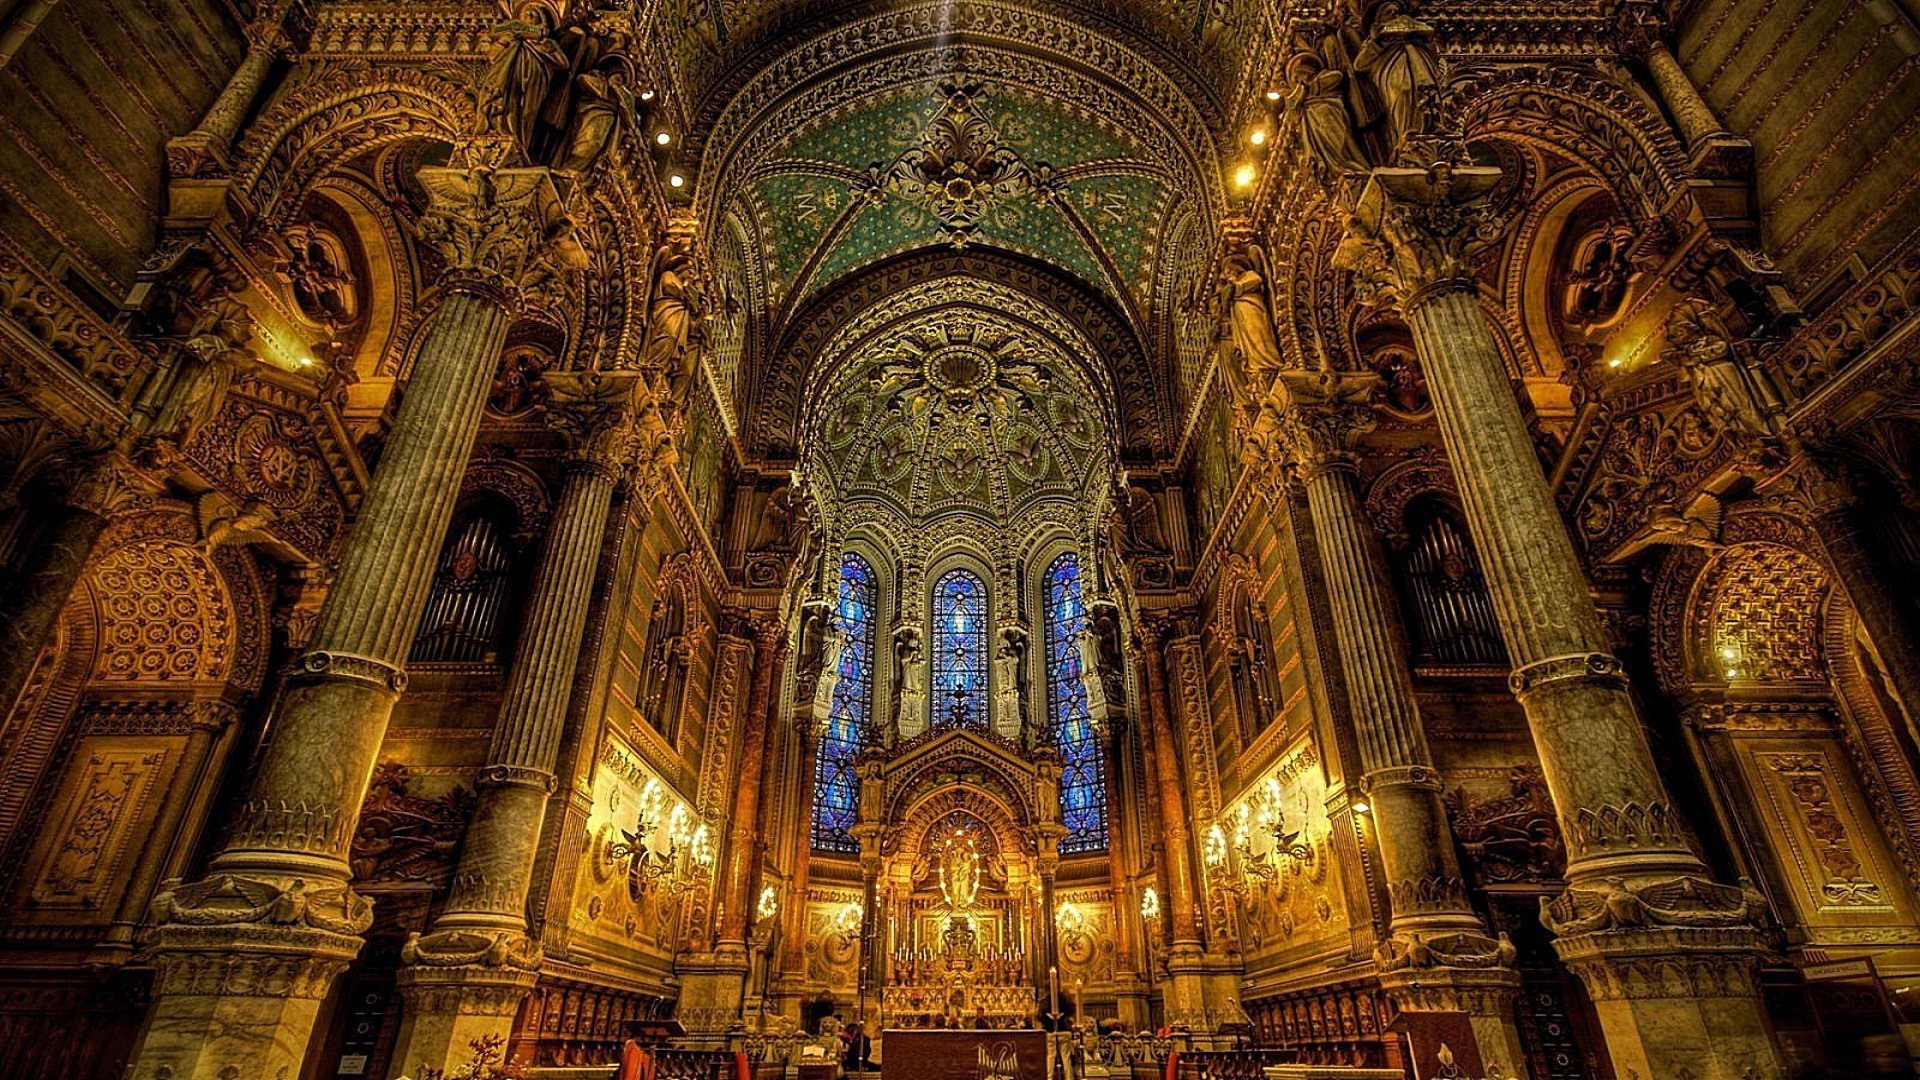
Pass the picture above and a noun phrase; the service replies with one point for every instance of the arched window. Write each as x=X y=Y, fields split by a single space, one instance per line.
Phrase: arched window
x=467 y=611
x=836 y=787
x=1256 y=692
x=960 y=650
x=1083 y=779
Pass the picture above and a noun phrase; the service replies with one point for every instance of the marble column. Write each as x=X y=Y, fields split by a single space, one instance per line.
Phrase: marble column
x=205 y=149
x=1642 y=26
x=1185 y=996
x=1437 y=956
x=736 y=904
x=244 y=956
x=1667 y=954
x=465 y=978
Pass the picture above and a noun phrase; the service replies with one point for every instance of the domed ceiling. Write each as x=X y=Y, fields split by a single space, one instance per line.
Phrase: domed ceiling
x=961 y=409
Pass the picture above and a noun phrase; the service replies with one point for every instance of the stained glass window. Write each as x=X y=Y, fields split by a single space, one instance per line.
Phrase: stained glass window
x=1083 y=779
x=836 y=787
x=959 y=688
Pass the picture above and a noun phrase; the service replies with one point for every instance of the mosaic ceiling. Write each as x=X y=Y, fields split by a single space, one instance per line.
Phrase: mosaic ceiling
x=962 y=166
x=961 y=410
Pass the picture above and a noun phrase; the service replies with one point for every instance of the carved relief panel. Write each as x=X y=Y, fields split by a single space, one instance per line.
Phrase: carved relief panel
x=1841 y=878
x=108 y=795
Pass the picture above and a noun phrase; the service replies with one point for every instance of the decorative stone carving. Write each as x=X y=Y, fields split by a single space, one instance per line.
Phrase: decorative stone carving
x=227 y=900
x=402 y=837
x=1414 y=229
x=499 y=230
x=1514 y=840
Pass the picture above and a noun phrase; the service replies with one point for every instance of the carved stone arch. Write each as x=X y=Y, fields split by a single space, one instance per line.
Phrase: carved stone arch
x=869 y=51
x=40 y=717
x=386 y=255
x=519 y=486
x=1004 y=821
x=1755 y=617
x=1535 y=270
x=774 y=416
x=1313 y=298
x=1425 y=472
x=340 y=112
x=1581 y=115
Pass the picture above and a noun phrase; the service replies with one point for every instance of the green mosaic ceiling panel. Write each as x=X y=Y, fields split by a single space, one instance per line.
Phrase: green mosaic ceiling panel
x=971 y=168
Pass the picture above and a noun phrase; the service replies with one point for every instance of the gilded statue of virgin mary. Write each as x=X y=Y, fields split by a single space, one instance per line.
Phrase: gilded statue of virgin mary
x=959 y=872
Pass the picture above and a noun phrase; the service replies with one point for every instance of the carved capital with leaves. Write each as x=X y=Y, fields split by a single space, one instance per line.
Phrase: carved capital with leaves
x=1319 y=417
x=502 y=232
x=1415 y=232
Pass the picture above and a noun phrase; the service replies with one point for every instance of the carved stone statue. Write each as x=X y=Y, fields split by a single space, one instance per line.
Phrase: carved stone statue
x=520 y=76
x=1007 y=682
x=204 y=369
x=670 y=317
x=832 y=644
x=1398 y=58
x=912 y=679
x=1698 y=342
x=1317 y=96
x=604 y=107
x=1250 y=313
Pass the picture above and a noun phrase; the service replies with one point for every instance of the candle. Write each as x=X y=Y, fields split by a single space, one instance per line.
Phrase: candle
x=1079 y=987
x=1053 y=984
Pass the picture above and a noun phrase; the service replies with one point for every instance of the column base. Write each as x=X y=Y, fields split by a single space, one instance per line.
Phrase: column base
x=452 y=1014
x=713 y=989
x=1484 y=995
x=1676 y=1000
x=237 y=1000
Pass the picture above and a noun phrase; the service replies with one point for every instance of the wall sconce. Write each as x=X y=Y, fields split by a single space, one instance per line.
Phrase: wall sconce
x=1214 y=849
x=1150 y=903
x=769 y=904
x=689 y=853
x=1286 y=850
x=847 y=919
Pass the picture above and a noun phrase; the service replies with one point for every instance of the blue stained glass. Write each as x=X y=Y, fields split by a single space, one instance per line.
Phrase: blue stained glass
x=959 y=688
x=1083 y=779
x=836 y=786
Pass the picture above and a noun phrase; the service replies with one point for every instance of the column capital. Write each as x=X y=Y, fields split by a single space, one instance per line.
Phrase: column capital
x=1320 y=414
x=1639 y=27
x=107 y=486
x=502 y=232
x=598 y=414
x=1415 y=231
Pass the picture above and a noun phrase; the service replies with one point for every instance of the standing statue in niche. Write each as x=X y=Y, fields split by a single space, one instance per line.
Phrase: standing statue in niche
x=831 y=646
x=912 y=679
x=519 y=78
x=1008 y=688
x=672 y=311
x=1244 y=288
x=204 y=368
x=604 y=108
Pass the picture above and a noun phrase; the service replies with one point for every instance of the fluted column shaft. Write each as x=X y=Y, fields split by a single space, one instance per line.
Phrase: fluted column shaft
x=1181 y=888
x=210 y=721
x=1416 y=846
x=496 y=860
x=1613 y=808
x=1666 y=954
x=298 y=816
x=743 y=847
x=276 y=901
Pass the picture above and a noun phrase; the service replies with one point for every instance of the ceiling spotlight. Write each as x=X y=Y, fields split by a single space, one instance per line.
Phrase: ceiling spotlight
x=1273 y=95
x=1243 y=176
x=1258 y=136
x=663 y=138
x=647 y=95
x=676 y=180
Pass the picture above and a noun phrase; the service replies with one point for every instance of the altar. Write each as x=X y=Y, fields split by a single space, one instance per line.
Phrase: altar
x=919 y=1054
